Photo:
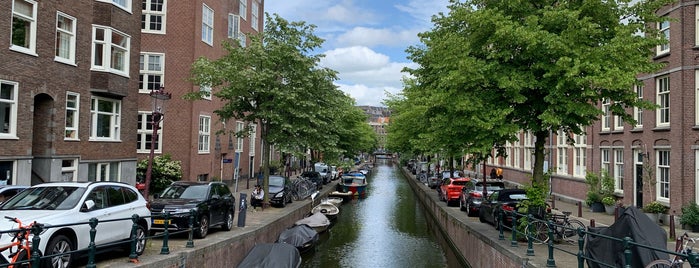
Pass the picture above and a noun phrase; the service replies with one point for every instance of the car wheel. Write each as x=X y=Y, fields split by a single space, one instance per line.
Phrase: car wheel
x=228 y=223
x=140 y=242
x=481 y=216
x=461 y=204
x=282 y=203
x=59 y=244
x=468 y=209
x=203 y=228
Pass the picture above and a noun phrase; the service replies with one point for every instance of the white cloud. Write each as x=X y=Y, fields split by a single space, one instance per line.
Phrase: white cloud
x=363 y=95
x=362 y=65
x=374 y=36
x=424 y=10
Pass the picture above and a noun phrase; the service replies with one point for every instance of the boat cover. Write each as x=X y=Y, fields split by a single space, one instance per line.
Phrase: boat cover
x=272 y=255
x=298 y=235
x=631 y=223
x=315 y=220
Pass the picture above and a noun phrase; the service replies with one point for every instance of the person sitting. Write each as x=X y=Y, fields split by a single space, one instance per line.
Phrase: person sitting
x=258 y=195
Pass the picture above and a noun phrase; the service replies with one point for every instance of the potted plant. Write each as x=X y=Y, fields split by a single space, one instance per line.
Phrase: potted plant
x=609 y=204
x=594 y=195
x=653 y=209
x=690 y=216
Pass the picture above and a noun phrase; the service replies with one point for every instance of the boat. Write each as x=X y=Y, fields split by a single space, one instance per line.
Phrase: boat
x=328 y=209
x=303 y=237
x=346 y=196
x=355 y=182
x=272 y=255
x=337 y=201
x=317 y=221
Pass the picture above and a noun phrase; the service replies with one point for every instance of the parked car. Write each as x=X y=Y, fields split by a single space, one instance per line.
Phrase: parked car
x=448 y=174
x=334 y=173
x=324 y=171
x=279 y=191
x=472 y=195
x=314 y=177
x=61 y=204
x=501 y=201
x=7 y=191
x=213 y=202
x=434 y=182
x=450 y=189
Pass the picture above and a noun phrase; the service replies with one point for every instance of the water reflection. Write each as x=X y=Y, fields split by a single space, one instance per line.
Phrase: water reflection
x=387 y=229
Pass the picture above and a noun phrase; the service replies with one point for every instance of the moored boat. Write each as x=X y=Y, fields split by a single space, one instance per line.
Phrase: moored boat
x=354 y=182
x=328 y=209
x=337 y=201
x=272 y=255
x=303 y=237
x=317 y=221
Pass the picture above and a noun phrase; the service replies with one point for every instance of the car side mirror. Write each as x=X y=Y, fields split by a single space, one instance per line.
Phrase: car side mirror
x=215 y=197
x=87 y=206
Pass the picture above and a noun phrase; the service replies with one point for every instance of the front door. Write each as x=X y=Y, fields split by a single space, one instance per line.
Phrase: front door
x=639 y=185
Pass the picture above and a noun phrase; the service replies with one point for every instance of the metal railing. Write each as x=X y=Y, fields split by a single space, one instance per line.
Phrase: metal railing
x=627 y=242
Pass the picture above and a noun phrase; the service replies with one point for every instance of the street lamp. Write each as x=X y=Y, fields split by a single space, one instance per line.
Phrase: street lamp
x=159 y=97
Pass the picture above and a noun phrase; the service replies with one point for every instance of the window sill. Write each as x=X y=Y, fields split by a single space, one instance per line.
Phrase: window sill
x=636 y=130
x=661 y=129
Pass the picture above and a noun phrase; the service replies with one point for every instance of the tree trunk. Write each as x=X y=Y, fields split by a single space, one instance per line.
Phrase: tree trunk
x=265 y=161
x=538 y=174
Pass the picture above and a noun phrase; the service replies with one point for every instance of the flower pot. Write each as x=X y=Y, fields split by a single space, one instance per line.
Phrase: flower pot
x=609 y=209
x=597 y=207
x=653 y=216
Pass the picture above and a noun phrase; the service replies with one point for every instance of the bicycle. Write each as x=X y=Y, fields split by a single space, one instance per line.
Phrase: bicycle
x=20 y=243
x=564 y=228
x=683 y=247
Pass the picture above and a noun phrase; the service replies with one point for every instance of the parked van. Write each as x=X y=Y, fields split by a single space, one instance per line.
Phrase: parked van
x=324 y=171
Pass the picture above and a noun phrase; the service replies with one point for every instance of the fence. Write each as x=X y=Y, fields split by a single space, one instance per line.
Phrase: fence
x=582 y=234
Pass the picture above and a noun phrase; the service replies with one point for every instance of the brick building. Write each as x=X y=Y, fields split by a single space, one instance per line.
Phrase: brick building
x=665 y=141
x=67 y=101
x=174 y=35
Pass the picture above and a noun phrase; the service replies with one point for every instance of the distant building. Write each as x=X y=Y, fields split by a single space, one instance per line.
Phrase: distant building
x=379 y=118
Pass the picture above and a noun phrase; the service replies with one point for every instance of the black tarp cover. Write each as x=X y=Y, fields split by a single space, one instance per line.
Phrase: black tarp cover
x=272 y=255
x=631 y=223
x=298 y=236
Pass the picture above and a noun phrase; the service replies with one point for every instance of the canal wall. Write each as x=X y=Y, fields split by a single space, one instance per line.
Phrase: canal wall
x=470 y=244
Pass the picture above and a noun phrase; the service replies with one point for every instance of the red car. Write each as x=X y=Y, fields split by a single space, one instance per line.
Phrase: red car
x=450 y=190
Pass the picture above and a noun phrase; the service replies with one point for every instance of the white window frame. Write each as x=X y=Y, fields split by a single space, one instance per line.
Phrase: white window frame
x=255 y=15
x=8 y=130
x=638 y=112
x=65 y=38
x=562 y=153
x=207 y=25
x=662 y=175
x=243 y=39
x=580 y=155
x=204 y=134
x=149 y=15
x=606 y=115
x=618 y=123
x=151 y=66
x=244 y=9
x=145 y=133
x=604 y=157
x=104 y=171
x=664 y=30
x=108 y=48
x=11 y=175
x=618 y=170
x=69 y=172
x=239 y=126
x=252 y=139
x=31 y=19
x=516 y=155
x=233 y=26
x=662 y=97
x=114 y=119
x=72 y=106
x=123 y=4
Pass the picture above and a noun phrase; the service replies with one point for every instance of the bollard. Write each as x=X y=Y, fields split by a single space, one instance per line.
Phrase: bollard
x=92 y=248
x=513 y=242
x=133 y=257
x=530 y=247
x=501 y=236
x=190 y=241
x=616 y=213
x=242 y=210
x=579 y=209
x=37 y=229
x=553 y=201
x=550 y=262
x=592 y=222
x=672 y=225
x=166 y=235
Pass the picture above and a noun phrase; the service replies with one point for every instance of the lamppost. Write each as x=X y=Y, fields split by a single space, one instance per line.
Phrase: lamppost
x=159 y=97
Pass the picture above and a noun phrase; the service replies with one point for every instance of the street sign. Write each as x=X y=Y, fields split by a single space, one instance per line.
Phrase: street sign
x=227 y=160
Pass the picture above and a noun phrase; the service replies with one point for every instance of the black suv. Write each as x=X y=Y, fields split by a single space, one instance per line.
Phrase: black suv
x=314 y=177
x=213 y=202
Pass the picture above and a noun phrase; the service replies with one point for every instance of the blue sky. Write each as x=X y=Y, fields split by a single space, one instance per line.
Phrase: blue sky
x=365 y=40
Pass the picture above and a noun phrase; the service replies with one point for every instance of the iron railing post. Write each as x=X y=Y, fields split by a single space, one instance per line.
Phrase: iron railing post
x=530 y=246
x=190 y=240
x=550 y=262
x=166 y=234
x=513 y=242
x=581 y=248
x=92 y=249
x=133 y=257
x=501 y=236
x=36 y=256
x=627 y=251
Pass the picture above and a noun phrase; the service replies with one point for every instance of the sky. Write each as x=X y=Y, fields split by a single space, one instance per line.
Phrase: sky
x=365 y=40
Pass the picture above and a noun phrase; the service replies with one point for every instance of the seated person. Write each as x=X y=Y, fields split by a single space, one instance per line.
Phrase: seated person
x=258 y=195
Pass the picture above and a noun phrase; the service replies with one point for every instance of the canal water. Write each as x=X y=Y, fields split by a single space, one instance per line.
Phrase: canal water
x=386 y=229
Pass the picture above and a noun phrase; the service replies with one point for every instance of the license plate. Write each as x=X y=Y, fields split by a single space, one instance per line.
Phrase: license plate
x=156 y=221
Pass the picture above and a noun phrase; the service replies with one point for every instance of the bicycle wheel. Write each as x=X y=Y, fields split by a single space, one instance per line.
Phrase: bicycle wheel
x=659 y=264
x=570 y=230
x=538 y=231
x=21 y=260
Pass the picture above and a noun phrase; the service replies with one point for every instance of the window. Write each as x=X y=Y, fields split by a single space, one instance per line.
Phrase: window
x=8 y=109
x=242 y=38
x=65 y=38
x=69 y=169
x=663 y=175
x=579 y=154
x=207 y=90
x=517 y=151
x=145 y=133
x=72 y=115
x=151 y=72
x=619 y=170
x=153 y=16
x=204 y=133
x=7 y=172
x=528 y=150
x=244 y=9
x=24 y=26
x=110 y=50
x=207 y=25
x=107 y=171
x=253 y=134
x=663 y=101
x=638 y=112
x=233 y=26
x=606 y=114
x=123 y=4
x=562 y=153
x=239 y=126
x=664 y=29
x=106 y=119
x=254 y=15
x=618 y=123
x=604 y=155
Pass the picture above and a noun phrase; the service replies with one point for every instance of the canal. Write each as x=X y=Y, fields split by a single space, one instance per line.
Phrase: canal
x=386 y=229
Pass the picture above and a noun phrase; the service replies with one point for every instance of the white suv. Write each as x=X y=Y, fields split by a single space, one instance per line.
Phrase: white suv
x=69 y=206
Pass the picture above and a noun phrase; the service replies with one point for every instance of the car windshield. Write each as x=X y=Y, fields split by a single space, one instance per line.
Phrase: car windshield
x=460 y=183
x=517 y=197
x=276 y=181
x=490 y=188
x=197 y=192
x=45 y=198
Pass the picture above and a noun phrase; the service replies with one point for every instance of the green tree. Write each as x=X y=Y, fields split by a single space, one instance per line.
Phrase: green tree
x=164 y=171
x=542 y=65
